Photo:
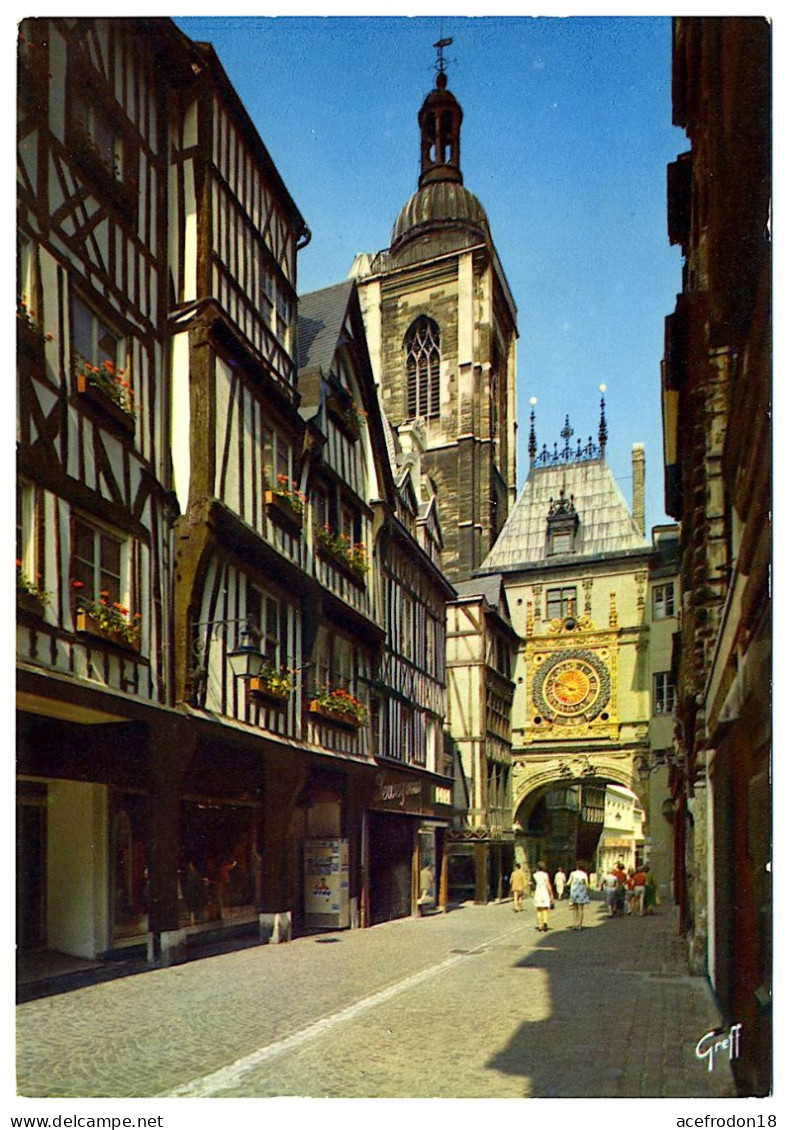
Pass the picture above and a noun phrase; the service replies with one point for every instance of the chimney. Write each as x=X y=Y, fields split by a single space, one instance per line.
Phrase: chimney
x=638 y=490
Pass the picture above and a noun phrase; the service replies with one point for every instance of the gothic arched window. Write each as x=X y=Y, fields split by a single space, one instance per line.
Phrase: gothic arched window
x=422 y=346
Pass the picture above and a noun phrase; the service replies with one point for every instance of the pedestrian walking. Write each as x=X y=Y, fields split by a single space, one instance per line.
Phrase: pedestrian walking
x=517 y=885
x=560 y=882
x=609 y=885
x=639 y=882
x=651 y=890
x=620 y=901
x=543 y=898
x=578 y=896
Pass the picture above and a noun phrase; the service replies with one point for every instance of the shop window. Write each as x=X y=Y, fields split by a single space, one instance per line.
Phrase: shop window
x=130 y=870
x=220 y=866
x=663 y=601
x=663 y=693
x=422 y=349
x=561 y=602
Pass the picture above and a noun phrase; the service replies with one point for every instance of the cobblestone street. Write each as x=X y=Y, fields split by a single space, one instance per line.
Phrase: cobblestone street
x=472 y=1003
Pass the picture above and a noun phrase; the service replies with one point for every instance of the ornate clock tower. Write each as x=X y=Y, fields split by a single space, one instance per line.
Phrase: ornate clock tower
x=441 y=326
x=576 y=568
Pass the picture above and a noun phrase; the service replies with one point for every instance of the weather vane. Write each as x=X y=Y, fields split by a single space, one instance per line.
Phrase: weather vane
x=440 y=64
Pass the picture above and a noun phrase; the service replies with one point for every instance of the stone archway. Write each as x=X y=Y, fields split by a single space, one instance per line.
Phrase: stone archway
x=534 y=777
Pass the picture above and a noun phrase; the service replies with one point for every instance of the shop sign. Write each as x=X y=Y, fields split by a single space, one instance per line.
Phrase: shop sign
x=441 y=795
x=395 y=793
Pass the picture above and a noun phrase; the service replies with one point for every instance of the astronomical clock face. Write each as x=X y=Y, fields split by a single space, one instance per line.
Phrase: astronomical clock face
x=571 y=685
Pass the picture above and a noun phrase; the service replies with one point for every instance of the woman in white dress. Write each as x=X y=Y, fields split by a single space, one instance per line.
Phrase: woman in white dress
x=578 y=896
x=542 y=895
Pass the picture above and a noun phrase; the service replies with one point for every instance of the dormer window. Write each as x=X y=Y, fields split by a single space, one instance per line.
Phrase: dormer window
x=562 y=525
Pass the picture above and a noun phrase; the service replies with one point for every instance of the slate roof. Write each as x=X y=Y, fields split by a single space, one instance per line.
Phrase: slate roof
x=320 y=317
x=605 y=521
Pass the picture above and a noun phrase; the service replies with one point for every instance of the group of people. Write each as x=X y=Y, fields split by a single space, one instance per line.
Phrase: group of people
x=632 y=892
x=577 y=884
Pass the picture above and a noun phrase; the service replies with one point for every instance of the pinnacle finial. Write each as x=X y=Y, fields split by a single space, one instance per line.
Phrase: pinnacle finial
x=602 y=426
x=532 y=448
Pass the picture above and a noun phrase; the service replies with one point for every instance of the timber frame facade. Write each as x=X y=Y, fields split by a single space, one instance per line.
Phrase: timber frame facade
x=186 y=491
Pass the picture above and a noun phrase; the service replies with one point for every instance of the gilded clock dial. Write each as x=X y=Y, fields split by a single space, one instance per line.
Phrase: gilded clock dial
x=572 y=685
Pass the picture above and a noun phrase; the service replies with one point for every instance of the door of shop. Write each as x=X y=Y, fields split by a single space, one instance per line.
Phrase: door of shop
x=390 y=867
x=31 y=869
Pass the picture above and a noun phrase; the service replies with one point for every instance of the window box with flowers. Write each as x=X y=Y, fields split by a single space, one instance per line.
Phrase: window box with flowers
x=285 y=503
x=344 y=410
x=338 y=707
x=30 y=337
x=106 y=620
x=341 y=550
x=273 y=686
x=104 y=387
x=29 y=597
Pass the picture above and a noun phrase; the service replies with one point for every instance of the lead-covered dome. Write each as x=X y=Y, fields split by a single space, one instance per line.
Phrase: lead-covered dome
x=439 y=204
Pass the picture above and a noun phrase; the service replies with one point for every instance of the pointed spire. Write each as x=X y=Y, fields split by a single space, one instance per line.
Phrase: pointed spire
x=532 y=448
x=602 y=425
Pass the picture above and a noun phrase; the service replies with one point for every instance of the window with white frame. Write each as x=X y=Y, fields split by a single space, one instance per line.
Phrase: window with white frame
x=334 y=662
x=27 y=283
x=277 y=460
x=94 y=340
x=100 y=564
x=27 y=548
x=663 y=601
x=663 y=693
x=268 y=617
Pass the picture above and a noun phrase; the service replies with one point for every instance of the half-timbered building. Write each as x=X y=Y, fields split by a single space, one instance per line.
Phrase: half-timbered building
x=376 y=630
x=231 y=614
x=94 y=514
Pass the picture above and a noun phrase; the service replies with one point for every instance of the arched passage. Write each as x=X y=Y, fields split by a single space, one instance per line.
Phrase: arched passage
x=564 y=811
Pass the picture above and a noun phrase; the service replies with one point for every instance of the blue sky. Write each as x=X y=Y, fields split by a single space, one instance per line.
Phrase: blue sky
x=566 y=137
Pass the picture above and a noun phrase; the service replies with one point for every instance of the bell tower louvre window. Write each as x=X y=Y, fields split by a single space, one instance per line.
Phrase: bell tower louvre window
x=422 y=345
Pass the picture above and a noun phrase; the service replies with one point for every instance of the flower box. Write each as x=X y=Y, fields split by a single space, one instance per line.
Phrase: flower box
x=104 y=403
x=334 y=717
x=281 y=510
x=30 y=602
x=263 y=693
x=350 y=560
x=345 y=415
x=29 y=338
x=88 y=625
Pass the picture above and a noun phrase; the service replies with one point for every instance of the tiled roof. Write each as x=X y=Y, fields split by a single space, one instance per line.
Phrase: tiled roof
x=605 y=521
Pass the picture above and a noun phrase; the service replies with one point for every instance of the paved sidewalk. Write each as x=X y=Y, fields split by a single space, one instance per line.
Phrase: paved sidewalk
x=472 y=1003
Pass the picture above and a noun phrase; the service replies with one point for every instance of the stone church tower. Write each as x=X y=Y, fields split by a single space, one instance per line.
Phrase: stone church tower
x=441 y=326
